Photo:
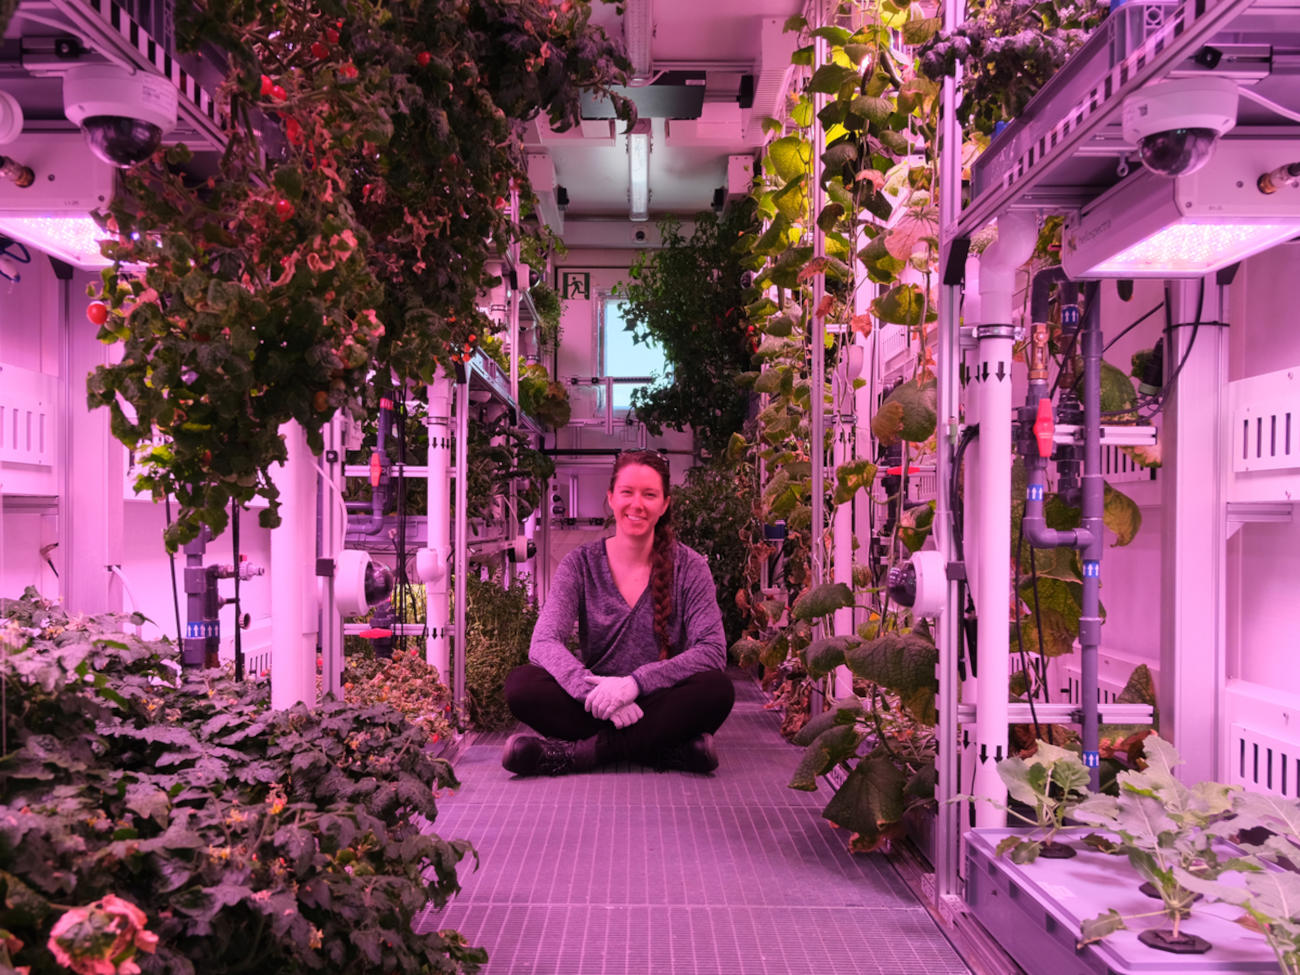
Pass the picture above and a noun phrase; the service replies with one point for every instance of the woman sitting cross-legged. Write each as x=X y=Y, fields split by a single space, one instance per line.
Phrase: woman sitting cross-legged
x=647 y=683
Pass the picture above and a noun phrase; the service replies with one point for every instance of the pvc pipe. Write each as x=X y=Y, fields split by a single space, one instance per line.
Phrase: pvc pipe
x=991 y=547
x=437 y=651
x=373 y=523
x=293 y=583
x=950 y=820
x=1094 y=501
x=991 y=381
x=332 y=524
x=1017 y=234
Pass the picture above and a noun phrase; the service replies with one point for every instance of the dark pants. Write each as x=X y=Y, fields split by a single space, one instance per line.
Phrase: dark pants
x=673 y=715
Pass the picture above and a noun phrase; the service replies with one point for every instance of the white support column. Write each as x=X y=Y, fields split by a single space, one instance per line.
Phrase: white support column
x=93 y=472
x=460 y=561
x=293 y=580
x=436 y=574
x=1193 y=543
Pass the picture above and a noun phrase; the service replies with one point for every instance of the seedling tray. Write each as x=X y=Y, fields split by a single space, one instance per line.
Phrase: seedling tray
x=1035 y=910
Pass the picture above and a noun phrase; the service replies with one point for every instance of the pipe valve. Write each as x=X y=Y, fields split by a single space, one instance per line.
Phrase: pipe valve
x=1044 y=428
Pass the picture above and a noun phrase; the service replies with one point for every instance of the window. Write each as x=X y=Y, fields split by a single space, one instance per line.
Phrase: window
x=621 y=358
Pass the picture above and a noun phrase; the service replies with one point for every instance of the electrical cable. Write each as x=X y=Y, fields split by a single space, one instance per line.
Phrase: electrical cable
x=176 y=598
x=1268 y=103
x=1132 y=326
x=1020 y=643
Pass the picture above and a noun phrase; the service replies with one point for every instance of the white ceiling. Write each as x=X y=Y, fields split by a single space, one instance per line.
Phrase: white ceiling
x=724 y=39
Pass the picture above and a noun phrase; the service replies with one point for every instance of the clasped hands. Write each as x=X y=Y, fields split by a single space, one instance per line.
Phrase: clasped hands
x=614 y=699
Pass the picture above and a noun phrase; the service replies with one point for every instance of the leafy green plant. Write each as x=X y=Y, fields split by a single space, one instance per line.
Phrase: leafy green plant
x=403 y=682
x=891 y=715
x=500 y=627
x=1166 y=829
x=689 y=296
x=713 y=513
x=350 y=222
x=252 y=839
x=550 y=309
x=545 y=401
x=1052 y=783
x=1007 y=50
x=499 y=455
x=1271 y=900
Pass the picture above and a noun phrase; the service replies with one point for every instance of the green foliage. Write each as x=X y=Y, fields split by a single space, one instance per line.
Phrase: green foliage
x=545 y=401
x=689 y=297
x=908 y=413
x=1163 y=827
x=713 y=513
x=550 y=309
x=822 y=601
x=1052 y=782
x=358 y=235
x=290 y=841
x=1007 y=50
x=500 y=626
x=403 y=682
x=498 y=455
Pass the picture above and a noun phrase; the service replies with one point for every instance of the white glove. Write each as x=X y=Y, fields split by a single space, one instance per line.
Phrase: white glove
x=610 y=694
x=627 y=714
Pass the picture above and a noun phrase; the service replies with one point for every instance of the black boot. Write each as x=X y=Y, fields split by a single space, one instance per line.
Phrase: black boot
x=527 y=754
x=697 y=755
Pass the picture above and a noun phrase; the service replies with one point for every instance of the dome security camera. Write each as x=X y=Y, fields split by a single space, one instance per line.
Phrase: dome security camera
x=123 y=115
x=1176 y=123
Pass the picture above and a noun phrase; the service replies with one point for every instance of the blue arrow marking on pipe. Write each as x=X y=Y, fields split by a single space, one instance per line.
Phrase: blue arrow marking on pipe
x=1092 y=759
x=1035 y=492
x=1092 y=570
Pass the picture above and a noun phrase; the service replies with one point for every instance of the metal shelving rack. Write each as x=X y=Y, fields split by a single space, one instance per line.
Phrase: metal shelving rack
x=1064 y=150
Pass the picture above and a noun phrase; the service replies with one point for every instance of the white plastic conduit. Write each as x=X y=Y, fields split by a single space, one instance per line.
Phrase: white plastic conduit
x=293 y=582
x=435 y=574
x=991 y=546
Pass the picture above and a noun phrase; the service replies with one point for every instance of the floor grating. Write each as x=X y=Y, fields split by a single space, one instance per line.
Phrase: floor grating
x=633 y=871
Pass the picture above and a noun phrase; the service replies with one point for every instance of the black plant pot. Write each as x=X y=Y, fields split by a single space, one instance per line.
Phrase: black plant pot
x=1164 y=940
x=1054 y=850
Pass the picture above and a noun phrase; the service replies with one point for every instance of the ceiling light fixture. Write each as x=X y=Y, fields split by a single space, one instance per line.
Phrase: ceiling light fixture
x=638 y=171
x=1158 y=227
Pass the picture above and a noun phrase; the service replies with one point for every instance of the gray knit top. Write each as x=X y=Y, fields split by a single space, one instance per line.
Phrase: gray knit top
x=615 y=639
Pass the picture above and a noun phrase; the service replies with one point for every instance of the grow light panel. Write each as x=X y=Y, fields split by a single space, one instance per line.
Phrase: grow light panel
x=53 y=214
x=72 y=239
x=1193 y=248
x=638 y=172
x=1154 y=226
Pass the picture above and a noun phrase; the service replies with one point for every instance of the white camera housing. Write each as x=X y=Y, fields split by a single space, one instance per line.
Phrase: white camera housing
x=1176 y=123
x=122 y=114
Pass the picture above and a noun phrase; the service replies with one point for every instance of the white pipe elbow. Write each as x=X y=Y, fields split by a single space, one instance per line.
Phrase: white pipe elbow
x=1017 y=235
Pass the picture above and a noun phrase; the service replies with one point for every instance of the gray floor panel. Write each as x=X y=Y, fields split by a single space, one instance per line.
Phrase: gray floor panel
x=630 y=870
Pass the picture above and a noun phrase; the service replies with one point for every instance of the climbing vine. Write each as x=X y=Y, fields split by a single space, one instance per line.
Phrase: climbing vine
x=348 y=224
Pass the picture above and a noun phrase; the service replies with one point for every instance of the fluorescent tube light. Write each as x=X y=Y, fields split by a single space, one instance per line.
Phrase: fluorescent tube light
x=638 y=175
x=638 y=29
x=1185 y=226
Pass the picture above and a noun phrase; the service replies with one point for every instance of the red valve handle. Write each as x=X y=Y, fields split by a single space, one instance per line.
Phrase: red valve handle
x=1044 y=428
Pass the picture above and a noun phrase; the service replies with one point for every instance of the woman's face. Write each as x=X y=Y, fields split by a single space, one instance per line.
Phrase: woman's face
x=637 y=500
